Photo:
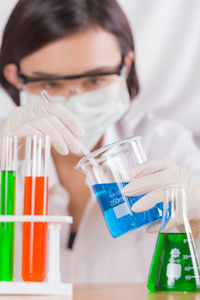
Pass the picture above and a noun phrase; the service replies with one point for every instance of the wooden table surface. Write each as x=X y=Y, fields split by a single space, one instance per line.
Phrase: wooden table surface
x=112 y=292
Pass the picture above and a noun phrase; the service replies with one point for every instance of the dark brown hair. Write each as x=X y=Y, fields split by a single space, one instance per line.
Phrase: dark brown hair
x=34 y=23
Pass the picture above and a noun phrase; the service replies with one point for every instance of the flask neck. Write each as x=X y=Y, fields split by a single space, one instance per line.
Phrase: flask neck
x=174 y=210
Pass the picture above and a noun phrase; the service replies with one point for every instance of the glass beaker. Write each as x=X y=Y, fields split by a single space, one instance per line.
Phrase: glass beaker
x=34 y=248
x=7 y=205
x=175 y=264
x=107 y=176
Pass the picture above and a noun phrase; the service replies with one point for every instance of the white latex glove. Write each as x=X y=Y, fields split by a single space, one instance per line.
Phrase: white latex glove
x=152 y=177
x=51 y=119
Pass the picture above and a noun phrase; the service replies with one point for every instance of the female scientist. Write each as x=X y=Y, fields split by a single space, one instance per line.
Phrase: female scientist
x=82 y=53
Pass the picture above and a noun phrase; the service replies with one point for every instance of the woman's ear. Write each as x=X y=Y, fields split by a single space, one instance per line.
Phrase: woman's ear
x=129 y=59
x=10 y=73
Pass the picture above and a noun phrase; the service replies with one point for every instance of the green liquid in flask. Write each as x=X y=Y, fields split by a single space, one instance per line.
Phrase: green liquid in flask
x=172 y=267
x=7 y=207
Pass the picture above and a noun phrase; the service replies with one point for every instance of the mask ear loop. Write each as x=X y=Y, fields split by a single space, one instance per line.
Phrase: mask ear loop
x=122 y=69
x=21 y=85
x=123 y=77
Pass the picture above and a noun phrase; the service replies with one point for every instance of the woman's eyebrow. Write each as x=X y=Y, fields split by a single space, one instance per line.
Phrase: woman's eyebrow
x=40 y=73
x=101 y=69
x=96 y=70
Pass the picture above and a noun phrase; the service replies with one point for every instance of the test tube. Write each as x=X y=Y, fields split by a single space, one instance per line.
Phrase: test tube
x=7 y=205
x=34 y=246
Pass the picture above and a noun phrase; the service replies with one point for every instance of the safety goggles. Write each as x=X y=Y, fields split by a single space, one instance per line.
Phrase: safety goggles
x=59 y=85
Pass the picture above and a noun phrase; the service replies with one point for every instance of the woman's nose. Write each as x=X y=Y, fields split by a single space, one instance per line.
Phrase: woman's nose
x=73 y=91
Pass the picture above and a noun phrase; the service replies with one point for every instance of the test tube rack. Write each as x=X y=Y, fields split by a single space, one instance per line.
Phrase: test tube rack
x=53 y=284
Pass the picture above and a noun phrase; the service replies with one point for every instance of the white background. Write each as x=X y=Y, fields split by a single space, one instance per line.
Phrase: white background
x=167 y=42
x=167 y=38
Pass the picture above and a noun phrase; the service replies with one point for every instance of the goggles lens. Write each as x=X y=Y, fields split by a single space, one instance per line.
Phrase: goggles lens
x=63 y=85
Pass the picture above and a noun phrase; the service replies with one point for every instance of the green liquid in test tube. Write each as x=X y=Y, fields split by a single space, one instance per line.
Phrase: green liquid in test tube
x=7 y=229
x=7 y=206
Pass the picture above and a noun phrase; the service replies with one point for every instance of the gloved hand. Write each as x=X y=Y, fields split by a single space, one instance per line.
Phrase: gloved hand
x=152 y=177
x=50 y=119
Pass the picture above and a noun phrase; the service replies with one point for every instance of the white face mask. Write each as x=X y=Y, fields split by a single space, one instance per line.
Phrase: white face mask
x=96 y=110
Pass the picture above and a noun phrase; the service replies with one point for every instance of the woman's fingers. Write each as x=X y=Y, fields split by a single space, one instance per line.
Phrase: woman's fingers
x=149 y=200
x=51 y=119
x=69 y=139
x=43 y=126
x=152 y=166
x=63 y=114
x=145 y=184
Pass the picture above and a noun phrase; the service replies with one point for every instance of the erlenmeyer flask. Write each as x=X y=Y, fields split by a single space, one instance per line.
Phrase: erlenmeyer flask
x=175 y=265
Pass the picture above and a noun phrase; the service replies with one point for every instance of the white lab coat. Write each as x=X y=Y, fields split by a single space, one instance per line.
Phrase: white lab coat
x=96 y=256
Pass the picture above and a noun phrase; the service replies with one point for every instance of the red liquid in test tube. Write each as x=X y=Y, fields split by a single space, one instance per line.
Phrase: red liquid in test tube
x=34 y=246
x=35 y=234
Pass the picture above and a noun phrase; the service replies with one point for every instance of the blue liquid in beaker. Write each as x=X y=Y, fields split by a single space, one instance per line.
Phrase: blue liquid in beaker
x=117 y=209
